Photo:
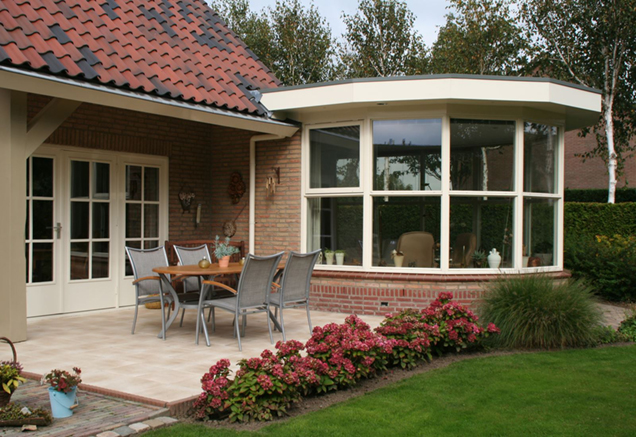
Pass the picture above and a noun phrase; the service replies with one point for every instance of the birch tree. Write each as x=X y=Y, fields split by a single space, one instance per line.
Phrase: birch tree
x=380 y=40
x=593 y=42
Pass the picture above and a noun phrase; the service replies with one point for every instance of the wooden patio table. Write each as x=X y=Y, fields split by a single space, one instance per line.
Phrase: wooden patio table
x=209 y=273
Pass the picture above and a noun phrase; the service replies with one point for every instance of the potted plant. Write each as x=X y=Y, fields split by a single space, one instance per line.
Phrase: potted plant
x=340 y=254
x=223 y=251
x=398 y=257
x=329 y=256
x=10 y=377
x=63 y=391
x=479 y=256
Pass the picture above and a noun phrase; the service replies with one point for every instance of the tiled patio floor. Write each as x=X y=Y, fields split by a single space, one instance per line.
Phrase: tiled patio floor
x=100 y=343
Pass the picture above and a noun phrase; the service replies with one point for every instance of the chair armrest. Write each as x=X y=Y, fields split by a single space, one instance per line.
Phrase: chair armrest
x=146 y=278
x=276 y=285
x=218 y=284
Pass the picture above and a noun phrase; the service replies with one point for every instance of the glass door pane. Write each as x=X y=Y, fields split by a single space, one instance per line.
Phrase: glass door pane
x=40 y=230
x=142 y=208
x=90 y=220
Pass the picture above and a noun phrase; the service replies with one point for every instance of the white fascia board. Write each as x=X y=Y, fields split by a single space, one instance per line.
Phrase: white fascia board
x=434 y=89
x=36 y=83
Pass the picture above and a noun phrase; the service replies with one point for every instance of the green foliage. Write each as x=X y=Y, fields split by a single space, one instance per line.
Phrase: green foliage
x=608 y=264
x=566 y=393
x=535 y=312
x=609 y=335
x=599 y=219
x=294 y=41
x=628 y=326
x=480 y=37
x=224 y=249
x=599 y=196
x=411 y=335
x=13 y=411
x=380 y=40
x=10 y=377
x=592 y=42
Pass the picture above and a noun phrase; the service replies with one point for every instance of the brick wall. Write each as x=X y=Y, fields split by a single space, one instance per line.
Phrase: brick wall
x=201 y=158
x=367 y=293
x=278 y=216
x=593 y=172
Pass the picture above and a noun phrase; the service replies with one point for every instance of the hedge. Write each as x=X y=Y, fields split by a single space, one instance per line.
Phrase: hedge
x=592 y=219
x=600 y=195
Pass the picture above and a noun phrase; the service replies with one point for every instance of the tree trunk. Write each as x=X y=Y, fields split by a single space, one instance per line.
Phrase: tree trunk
x=612 y=161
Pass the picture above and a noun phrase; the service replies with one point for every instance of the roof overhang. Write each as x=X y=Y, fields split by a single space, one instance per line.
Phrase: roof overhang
x=579 y=106
x=77 y=90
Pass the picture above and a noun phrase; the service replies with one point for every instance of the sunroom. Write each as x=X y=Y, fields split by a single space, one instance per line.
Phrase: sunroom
x=435 y=174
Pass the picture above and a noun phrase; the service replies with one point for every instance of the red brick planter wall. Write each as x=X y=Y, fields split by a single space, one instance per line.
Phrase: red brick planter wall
x=365 y=293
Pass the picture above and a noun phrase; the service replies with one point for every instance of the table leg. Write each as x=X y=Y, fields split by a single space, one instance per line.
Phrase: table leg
x=173 y=293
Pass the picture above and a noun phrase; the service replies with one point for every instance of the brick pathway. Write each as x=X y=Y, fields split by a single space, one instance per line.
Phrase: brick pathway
x=96 y=414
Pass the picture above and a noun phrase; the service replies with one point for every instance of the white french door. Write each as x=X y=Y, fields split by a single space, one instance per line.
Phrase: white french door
x=82 y=208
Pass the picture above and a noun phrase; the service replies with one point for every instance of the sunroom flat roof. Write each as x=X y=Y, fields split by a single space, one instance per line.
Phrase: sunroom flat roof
x=580 y=105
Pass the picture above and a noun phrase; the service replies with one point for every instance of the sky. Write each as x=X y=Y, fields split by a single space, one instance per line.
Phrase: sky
x=430 y=14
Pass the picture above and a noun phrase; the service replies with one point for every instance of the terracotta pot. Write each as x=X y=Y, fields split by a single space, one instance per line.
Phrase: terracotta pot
x=224 y=262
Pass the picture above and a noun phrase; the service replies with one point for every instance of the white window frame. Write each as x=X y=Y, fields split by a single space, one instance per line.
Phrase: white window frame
x=366 y=191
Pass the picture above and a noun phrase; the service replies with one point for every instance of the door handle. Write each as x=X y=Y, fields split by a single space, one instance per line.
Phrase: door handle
x=57 y=228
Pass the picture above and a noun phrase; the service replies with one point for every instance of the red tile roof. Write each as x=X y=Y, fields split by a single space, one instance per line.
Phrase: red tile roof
x=176 y=49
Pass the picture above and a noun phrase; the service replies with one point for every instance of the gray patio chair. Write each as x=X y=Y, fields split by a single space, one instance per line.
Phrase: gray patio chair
x=191 y=285
x=294 y=285
x=148 y=284
x=253 y=287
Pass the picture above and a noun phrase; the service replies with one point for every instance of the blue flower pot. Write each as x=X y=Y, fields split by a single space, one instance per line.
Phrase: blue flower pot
x=61 y=402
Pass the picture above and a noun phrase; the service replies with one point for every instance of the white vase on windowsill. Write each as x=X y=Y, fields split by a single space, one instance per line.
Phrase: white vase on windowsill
x=340 y=258
x=494 y=259
x=329 y=258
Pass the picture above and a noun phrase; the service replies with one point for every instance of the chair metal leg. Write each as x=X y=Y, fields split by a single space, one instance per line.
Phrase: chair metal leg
x=163 y=319
x=276 y=317
x=282 y=324
x=269 y=326
x=308 y=318
x=205 y=329
x=237 y=333
x=135 y=318
x=182 y=314
x=198 y=328
x=244 y=317
x=213 y=319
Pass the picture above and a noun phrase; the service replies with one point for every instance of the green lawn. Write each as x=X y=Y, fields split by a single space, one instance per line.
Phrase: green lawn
x=588 y=392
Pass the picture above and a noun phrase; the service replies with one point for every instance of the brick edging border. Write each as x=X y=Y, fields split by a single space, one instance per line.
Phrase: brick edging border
x=425 y=277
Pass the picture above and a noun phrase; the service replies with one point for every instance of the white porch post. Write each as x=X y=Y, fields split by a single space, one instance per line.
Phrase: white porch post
x=13 y=127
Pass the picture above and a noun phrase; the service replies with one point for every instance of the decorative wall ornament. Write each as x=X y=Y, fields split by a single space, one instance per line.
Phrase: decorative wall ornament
x=236 y=190
x=229 y=227
x=186 y=195
x=272 y=181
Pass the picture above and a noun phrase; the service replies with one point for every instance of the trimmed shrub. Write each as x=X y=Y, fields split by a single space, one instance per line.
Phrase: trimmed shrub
x=607 y=263
x=599 y=219
x=458 y=327
x=535 y=312
x=609 y=335
x=600 y=195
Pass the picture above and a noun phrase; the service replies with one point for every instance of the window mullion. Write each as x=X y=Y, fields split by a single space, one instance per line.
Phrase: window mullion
x=445 y=218
x=366 y=179
x=519 y=204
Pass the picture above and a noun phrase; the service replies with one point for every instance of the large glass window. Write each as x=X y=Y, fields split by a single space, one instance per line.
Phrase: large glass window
x=539 y=217
x=482 y=155
x=483 y=225
x=435 y=199
x=335 y=157
x=407 y=154
x=408 y=225
x=335 y=225
x=540 y=145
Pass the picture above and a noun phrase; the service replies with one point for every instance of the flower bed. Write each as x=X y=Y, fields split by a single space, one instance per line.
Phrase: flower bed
x=336 y=356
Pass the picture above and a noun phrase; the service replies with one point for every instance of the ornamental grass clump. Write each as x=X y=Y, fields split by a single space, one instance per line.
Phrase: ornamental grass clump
x=458 y=326
x=535 y=312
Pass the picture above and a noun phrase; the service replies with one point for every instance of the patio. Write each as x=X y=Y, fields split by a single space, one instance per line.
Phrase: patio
x=142 y=365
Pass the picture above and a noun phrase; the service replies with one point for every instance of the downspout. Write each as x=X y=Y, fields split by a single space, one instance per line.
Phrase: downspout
x=252 y=218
